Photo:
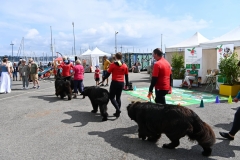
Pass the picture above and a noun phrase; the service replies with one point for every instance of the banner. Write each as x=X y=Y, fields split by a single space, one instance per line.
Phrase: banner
x=194 y=56
x=225 y=50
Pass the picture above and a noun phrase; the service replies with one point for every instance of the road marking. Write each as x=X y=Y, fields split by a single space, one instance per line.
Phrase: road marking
x=37 y=90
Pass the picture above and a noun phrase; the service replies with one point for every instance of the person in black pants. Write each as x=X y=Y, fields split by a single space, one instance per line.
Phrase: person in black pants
x=236 y=123
x=118 y=69
x=161 y=77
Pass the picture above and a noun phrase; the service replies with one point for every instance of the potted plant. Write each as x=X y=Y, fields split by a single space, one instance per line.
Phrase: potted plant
x=178 y=69
x=230 y=71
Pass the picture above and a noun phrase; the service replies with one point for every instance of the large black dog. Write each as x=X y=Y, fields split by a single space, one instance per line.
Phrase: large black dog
x=98 y=97
x=63 y=87
x=174 y=121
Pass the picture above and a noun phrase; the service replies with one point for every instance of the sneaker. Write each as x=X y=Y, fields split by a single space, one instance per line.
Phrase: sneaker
x=23 y=88
x=38 y=87
x=26 y=88
x=226 y=135
x=102 y=85
x=106 y=85
x=34 y=87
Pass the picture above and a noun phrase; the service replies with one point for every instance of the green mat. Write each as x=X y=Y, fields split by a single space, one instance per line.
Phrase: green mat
x=179 y=96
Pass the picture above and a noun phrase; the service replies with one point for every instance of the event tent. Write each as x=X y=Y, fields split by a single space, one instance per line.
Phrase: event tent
x=193 y=41
x=86 y=52
x=94 y=57
x=232 y=37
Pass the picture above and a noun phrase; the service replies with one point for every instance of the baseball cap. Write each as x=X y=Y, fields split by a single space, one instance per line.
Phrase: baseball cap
x=97 y=66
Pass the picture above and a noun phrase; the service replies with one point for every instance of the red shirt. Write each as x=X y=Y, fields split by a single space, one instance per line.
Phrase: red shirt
x=78 y=72
x=66 y=69
x=97 y=73
x=162 y=70
x=118 y=72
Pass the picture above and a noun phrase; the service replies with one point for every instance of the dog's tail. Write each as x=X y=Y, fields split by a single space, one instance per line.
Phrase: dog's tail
x=202 y=132
x=104 y=98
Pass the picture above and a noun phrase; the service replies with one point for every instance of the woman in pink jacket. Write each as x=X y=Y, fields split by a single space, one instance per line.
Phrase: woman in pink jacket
x=78 y=72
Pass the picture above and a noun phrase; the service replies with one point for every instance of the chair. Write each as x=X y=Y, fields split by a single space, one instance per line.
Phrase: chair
x=212 y=80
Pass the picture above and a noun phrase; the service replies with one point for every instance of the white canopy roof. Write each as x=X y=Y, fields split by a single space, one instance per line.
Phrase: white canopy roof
x=193 y=41
x=232 y=37
x=86 y=52
x=96 y=52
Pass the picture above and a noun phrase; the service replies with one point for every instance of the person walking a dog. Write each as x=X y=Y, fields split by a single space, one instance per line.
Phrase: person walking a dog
x=118 y=69
x=78 y=72
x=236 y=123
x=161 y=77
x=106 y=64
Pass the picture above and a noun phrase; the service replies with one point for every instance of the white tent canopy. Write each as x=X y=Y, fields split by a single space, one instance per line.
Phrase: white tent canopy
x=95 y=52
x=193 y=41
x=93 y=58
x=232 y=37
x=86 y=52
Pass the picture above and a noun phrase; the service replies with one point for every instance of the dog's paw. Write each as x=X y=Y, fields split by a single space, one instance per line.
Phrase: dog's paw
x=152 y=139
x=142 y=137
x=94 y=111
x=168 y=146
x=104 y=119
x=207 y=152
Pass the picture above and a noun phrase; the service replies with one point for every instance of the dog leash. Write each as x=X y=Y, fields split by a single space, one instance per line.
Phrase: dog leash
x=150 y=97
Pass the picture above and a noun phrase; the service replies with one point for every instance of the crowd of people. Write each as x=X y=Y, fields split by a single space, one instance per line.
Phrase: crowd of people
x=161 y=79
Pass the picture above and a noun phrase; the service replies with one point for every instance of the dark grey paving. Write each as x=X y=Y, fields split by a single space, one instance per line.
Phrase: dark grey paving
x=35 y=124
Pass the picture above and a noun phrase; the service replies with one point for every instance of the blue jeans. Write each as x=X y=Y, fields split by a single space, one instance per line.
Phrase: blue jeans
x=78 y=86
x=14 y=74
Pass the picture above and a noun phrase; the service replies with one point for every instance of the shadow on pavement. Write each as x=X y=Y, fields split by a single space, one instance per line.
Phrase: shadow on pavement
x=49 y=98
x=126 y=140
x=83 y=117
x=225 y=126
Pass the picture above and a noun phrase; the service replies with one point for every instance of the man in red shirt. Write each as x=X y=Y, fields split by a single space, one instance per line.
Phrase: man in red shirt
x=118 y=69
x=161 y=77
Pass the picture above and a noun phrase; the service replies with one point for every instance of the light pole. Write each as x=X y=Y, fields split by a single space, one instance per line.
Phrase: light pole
x=116 y=41
x=12 y=51
x=74 y=38
x=51 y=43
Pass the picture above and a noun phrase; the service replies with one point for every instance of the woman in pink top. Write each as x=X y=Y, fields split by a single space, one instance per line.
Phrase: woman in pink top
x=78 y=72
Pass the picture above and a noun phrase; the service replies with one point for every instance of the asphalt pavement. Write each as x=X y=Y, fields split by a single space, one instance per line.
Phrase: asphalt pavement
x=35 y=125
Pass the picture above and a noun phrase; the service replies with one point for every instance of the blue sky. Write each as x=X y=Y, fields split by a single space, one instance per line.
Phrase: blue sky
x=140 y=23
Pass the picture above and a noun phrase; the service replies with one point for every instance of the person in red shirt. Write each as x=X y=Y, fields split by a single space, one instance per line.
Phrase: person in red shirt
x=161 y=77
x=78 y=72
x=118 y=69
x=97 y=75
x=66 y=68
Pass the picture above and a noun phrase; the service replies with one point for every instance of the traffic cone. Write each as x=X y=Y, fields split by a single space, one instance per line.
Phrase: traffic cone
x=230 y=99
x=201 y=104
x=217 y=100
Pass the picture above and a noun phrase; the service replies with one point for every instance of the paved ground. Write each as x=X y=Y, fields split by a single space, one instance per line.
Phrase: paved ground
x=35 y=124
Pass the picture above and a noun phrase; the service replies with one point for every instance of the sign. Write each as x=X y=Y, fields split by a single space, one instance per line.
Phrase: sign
x=225 y=50
x=193 y=56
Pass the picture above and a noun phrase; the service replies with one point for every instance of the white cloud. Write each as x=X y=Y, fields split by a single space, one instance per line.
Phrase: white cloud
x=32 y=33
x=95 y=23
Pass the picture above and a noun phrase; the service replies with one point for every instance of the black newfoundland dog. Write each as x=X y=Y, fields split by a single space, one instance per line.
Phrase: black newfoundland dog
x=98 y=97
x=63 y=87
x=174 y=121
